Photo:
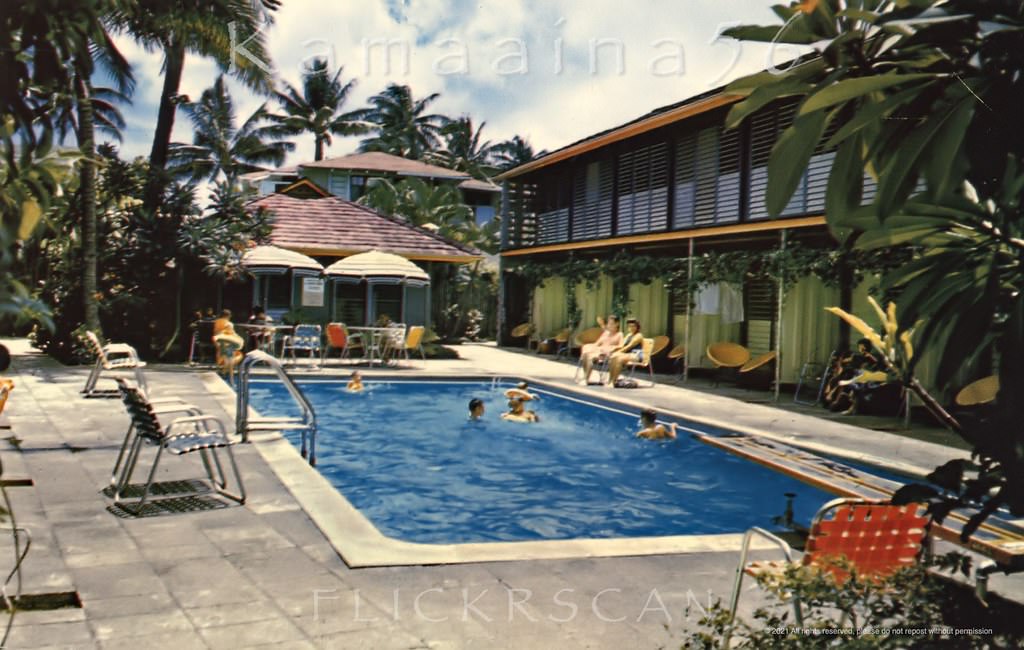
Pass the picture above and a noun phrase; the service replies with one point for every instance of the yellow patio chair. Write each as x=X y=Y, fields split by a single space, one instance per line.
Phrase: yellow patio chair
x=589 y=335
x=413 y=341
x=676 y=355
x=651 y=348
x=726 y=356
x=753 y=371
x=977 y=393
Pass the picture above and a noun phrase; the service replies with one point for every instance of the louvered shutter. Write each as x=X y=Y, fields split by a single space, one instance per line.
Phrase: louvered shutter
x=643 y=189
x=759 y=297
x=592 y=201
x=684 y=204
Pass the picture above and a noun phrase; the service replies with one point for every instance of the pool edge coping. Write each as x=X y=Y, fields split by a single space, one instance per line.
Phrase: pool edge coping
x=360 y=544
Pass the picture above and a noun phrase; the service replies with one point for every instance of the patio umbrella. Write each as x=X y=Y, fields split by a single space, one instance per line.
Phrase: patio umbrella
x=377 y=267
x=274 y=260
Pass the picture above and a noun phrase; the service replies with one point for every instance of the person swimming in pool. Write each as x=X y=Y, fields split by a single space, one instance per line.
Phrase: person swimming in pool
x=652 y=430
x=516 y=412
x=355 y=383
x=521 y=391
x=476 y=409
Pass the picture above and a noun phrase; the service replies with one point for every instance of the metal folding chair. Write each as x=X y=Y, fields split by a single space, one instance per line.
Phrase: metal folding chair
x=814 y=375
x=874 y=538
x=338 y=338
x=202 y=433
x=112 y=358
x=305 y=338
x=202 y=340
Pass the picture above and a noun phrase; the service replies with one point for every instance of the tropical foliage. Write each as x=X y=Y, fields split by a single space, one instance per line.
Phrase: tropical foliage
x=57 y=204
x=513 y=153
x=401 y=124
x=921 y=606
x=222 y=150
x=317 y=108
x=438 y=208
x=465 y=150
x=924 y=96
x=208 y=28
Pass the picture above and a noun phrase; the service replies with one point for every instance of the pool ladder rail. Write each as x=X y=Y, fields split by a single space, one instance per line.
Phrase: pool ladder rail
x=245 y=423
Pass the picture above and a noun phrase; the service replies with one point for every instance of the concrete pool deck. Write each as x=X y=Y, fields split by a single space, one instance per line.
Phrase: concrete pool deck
x=265 y=574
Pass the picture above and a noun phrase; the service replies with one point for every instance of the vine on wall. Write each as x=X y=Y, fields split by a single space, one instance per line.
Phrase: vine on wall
x=788 y=265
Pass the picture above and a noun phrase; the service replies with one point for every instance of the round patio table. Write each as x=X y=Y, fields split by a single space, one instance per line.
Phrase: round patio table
x=373 y=337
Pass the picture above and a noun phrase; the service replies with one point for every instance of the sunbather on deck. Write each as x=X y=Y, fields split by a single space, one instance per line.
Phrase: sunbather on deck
x=595 y=352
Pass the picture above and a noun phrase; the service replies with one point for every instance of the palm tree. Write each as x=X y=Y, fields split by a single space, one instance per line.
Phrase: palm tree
x=438 y=208
x=514 y=152
x=402 y=126
x=220 y=29
x=219 y=147
x=107 y=117
x=49 y=52
x=316 y=109
x=464 y=150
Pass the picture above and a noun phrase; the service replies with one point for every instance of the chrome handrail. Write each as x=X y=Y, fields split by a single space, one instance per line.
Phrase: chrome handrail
x=244 y=423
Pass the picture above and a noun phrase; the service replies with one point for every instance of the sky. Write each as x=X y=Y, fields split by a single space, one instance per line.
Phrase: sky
x=551 y=71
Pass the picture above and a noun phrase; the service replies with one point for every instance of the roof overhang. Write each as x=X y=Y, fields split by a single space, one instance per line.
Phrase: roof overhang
x=624 y=132
x=682 y=235
x=420 y=257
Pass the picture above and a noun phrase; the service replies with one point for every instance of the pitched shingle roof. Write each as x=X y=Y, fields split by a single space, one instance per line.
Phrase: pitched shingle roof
x=331 y=226
x=378 y=161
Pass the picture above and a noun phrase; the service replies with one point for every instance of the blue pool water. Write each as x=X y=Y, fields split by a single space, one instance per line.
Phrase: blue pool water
x=405 y=455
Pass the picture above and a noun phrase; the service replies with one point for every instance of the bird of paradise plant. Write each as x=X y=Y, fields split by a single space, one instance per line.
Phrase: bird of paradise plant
x=897 y=353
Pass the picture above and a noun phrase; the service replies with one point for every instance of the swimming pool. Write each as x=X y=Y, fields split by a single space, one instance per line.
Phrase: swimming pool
x=404 y=454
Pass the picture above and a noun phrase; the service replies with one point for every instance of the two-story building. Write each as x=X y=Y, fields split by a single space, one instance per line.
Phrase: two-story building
x=351 y=176
x=676 y=183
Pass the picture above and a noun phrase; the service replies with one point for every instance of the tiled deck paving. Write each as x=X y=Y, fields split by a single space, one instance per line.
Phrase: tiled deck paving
x=264 y=575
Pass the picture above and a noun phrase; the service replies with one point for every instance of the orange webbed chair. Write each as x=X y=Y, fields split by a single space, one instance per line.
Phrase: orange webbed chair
x=872 y=538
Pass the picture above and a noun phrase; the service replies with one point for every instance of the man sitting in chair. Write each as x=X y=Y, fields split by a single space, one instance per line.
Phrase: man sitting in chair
x=595 y=352
x=630 y=350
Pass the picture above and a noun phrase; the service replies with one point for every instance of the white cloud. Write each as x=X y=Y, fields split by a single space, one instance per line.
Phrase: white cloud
x=550 y=109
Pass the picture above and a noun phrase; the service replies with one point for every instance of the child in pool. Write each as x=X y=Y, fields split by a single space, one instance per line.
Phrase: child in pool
x=476 y=409
x=652 y=430
x=516 y=412
x=355 y=383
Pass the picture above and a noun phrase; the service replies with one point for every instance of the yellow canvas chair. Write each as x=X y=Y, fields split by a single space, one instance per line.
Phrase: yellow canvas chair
x=977 y=393
x=520 y=331
x=676 y=355
x=651 y=348
x=413 y=341
x=562 y=339
x=726 y=356
x=757 y=371
x=589 y=335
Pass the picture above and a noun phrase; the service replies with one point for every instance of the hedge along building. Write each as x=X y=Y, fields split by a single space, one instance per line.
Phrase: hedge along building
x=637 y=217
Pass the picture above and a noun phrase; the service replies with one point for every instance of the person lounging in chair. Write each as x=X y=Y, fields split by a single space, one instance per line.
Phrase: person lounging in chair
x=630 y=350
x=595 y=352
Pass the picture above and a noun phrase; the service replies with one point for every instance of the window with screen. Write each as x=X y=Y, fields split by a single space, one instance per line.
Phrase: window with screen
x=387 y=300
x=350 y=303
x=277 y=291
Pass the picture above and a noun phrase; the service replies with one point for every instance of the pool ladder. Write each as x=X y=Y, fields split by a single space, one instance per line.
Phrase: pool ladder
x=245 y=424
